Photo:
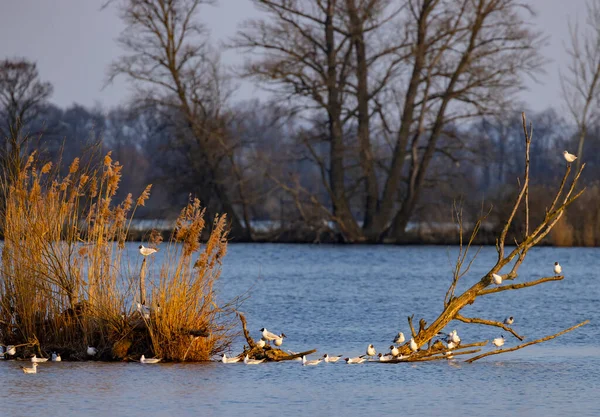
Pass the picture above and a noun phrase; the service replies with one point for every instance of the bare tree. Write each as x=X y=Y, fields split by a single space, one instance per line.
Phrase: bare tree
x=389 y=78
x=22 y=96
x=580 y=80
x=173 y=68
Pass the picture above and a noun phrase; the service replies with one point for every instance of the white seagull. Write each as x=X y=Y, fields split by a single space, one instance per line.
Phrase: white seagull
x=56 y=357
x=399 y=339
x=413 y=345
x=496 y=279
x=32 y=370
x=509 y=320
x=279 y=340
x=454 y=337
x=268 y=336
x=557 y=268
x=147 y=251
x=38 y=360
x=394 y=350
x=451 y=345
x=249 y=361
x=385 y=358
x=371 y=351
x=331 y=359
x=261 y=343
x=11 y=350
x=311 y=362
x=235 y=359
x=91 y=351
x=149 y=360
x=358 y=359
x=569 y=156
x=143 y=310
x=499 y=341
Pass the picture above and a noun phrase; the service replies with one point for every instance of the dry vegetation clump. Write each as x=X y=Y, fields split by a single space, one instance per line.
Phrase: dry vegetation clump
x=63 y=282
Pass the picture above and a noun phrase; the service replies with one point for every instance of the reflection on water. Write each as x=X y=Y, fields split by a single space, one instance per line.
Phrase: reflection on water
x=339 y=299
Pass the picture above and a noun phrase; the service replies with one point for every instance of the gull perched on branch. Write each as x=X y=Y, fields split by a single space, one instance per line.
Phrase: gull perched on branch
x=147 y=251
x=355 y=360
x=509 y=320
x=268 y=336
x=279 y=340
x=557 y=268
x=499 y=341
x=261 y=343
x=371 y=351
x=394 y=350
x=385 y=358
x=399 y=339
x=569 y=156
x=497 y=279
x=413 y=345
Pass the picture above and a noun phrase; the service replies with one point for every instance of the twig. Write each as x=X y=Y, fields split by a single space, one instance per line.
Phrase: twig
x=245 y=330
x=519 y=286
x=488 y=323
x=544 y=339
x=410 y=324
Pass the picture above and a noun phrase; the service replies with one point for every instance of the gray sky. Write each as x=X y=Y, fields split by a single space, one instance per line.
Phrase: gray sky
x=73 y=43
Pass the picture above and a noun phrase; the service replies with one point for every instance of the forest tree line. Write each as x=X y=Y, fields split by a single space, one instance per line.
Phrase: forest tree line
x=381 y=116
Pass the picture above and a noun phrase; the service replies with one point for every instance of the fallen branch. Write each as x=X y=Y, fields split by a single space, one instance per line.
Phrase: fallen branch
x=534 y=342
x=521 y=285
x=476 y=320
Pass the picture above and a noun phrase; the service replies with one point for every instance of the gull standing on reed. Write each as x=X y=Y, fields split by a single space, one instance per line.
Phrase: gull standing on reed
x=509 y=320
x=149 y=360
x=557 y=268
x=371 y=351
x=32 y=370
x=569 y=156
x=497 y=279
x=91 y=351
x=261 y=343
x=279 y=340
x=355 y=360
x=413 y=345
x=394 y=350
x=399 y=339
x=38 y=360
x=147 y=251
x=268 y=336
x=499 y=341
x=249 y=361
x=331 y=359
x=313 y=362
x=56 y=357
x=235 y=359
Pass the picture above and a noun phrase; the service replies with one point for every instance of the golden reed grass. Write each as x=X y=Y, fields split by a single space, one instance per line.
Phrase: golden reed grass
x=63 y=284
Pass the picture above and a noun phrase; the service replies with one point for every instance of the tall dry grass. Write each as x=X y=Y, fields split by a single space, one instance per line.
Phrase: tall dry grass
x=63 y=285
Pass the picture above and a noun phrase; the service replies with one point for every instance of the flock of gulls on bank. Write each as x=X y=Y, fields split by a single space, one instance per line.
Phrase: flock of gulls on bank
x=452 y=339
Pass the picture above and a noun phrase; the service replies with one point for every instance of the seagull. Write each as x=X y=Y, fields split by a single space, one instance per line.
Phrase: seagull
x=91 y=351
x=32 y=370
x=385 y=358
x=557 y=268
x=38 y=360
x=331 y=359
x=56 y=357
x=509 y=320
x=569 y=156
x=261 y=343
x=451 y=345
x=399 y=339
x=496 y=279
x=143 y=310
x=310 y=363
x=394 y=350
x=499 y=341
x=413 y=345
x=357 y=359
x=279 y=340
x=371 y=351
x=249 y=361
x=147 y=251
x=11 y=350
x=454 y=337
x=149 y=360
x=268 y=336
x=235 y=359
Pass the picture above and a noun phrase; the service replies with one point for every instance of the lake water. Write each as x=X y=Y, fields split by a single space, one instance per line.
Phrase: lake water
x=338 y=299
